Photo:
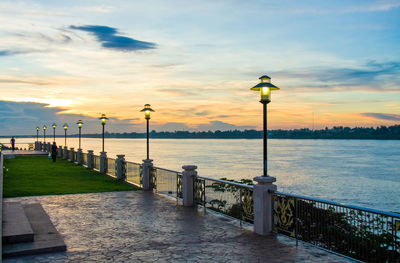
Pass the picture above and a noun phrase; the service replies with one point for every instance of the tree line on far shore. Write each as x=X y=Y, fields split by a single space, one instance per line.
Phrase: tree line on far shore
x=337 y=132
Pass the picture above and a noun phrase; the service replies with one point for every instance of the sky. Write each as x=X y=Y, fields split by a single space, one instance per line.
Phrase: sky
x=337 y=63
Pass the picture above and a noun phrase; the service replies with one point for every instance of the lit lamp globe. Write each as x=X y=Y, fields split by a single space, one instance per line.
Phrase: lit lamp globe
x=265 y=87
x=65 y=126
x=103 y=119
x=79 y=124
x=147 y=111
x=54 y=125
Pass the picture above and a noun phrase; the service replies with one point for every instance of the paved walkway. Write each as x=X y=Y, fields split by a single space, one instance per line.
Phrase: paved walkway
x=144 y=227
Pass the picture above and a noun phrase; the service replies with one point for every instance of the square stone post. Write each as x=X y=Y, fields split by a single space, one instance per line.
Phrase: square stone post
x=103 y=162
x=71 y=155
x=48 y=147
x=90 y=163
x=146 y=166
x=59 y=151
x=79 y=156
x=65 y=153
x=262 y=195
x=120 y=167
x=40 y=146
x=44 y=147
x=188 y=176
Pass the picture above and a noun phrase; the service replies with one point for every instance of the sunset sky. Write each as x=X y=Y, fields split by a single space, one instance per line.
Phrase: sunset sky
x=195 y=62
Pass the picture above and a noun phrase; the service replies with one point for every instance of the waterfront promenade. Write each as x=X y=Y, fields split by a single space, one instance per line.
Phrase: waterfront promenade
x=139 y=226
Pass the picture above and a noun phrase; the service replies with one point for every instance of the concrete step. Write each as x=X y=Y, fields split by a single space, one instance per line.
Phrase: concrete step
x=16 y=227
x=46 y=237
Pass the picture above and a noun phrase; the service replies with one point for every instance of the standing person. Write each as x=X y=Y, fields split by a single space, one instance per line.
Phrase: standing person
x=12 y=143
x=54 y=152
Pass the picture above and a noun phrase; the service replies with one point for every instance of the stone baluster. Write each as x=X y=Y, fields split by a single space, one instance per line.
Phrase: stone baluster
x=146 y=167
x=79 y=157
x=188 y=176
x=65 y=153
x=262 y=195
x=90 y=162
x=103 y=162
x=71 y=155
x=120 y=167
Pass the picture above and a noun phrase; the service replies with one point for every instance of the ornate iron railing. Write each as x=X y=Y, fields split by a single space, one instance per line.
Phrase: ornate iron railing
x=134 y=173
x=364 y=234
x=84 y=158
x=167 y=181
x=96 y=162
x=230 y=198
x=111 y=166
x=153 y=178
x=179 y=186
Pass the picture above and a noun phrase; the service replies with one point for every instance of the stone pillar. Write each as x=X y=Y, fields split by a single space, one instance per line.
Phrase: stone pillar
x=65 y=153
x=44 y=147
x=262 y=195
x=36 y=146
x=103 y=162
x=60 y=151
x=48 y=147
x=120 y=167
x=90 y=163
x=79 y=156
x=188 y=175
x=39 y=146
x=71 y=155
x=146 y=166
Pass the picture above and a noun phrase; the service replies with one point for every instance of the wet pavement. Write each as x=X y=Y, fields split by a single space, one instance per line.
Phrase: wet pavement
x=140 y=226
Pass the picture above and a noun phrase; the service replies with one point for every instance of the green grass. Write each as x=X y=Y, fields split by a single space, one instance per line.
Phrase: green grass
x=34 y=175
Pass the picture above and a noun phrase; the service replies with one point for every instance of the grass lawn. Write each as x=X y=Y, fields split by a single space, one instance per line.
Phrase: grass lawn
x=34 y=175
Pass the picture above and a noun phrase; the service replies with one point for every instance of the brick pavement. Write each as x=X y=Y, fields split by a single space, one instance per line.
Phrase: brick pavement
x=145 y=227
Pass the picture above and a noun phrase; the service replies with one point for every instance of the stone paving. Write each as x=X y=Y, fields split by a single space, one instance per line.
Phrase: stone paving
x=145 y=227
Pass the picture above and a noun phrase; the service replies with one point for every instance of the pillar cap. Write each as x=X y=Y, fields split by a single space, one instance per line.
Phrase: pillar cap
x=72 y=148
x=189 y=167
x=120 y=155
x=264 y=179
x=103 y=153
x=147 y=160
x=90 y=151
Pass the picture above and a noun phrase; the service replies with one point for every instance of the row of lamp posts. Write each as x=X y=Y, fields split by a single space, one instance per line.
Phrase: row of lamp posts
x=264 y=187
x=103 y=120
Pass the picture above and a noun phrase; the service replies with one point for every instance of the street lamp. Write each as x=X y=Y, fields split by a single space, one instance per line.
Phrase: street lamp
x=37 y=133
x=147 y=111
x=54 y=131
x=80 y=127
x=44 y=132
x=265 y=87
x=65 y=134
x=103 y=119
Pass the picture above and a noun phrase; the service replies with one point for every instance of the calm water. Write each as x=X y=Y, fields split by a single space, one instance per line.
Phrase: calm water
x=359 y=172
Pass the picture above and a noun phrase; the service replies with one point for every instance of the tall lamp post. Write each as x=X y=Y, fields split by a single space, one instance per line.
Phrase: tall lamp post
x=54 y=131
x=65 y=134
x=80 y=127
x=37 y=133
x=103 y=119
x=44 y=132
x=265 y=87
x=147 y=111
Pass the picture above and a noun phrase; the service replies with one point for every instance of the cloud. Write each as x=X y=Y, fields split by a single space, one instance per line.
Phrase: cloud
x=9 y=52
x=109 y=38
x=21 y=118
x=372 y=75
x=382 y=116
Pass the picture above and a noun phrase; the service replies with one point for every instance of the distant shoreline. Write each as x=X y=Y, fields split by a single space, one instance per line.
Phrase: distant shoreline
x=335 y=133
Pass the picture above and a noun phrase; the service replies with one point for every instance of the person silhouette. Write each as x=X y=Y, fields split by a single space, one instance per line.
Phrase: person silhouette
x=54 y=152
x=12 y=143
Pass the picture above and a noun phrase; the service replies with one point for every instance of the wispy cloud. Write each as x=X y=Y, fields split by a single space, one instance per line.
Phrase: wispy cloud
x=109 y=38
x=382 y=116
x=371 y=75
x=10 y=52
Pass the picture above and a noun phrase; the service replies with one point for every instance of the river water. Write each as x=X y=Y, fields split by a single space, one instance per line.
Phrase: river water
x=358 y=172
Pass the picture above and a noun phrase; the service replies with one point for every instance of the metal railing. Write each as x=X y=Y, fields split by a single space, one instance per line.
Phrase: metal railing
x=96 y=162
x=134 y=173
x=360 y=233
x=230 y=198
x=167 y=181
x=111 y=166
